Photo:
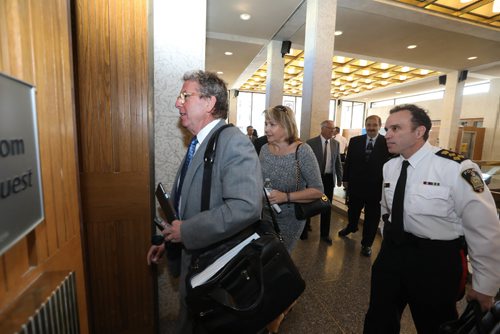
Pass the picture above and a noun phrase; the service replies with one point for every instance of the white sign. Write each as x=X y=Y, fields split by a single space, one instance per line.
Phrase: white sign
x=21 y=198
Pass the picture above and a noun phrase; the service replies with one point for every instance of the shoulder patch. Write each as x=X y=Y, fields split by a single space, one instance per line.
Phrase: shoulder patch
x=474 y=179
x=451 y=155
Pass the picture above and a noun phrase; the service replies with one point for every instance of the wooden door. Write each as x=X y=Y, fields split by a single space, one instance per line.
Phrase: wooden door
x=114 y=122
x=470 y=142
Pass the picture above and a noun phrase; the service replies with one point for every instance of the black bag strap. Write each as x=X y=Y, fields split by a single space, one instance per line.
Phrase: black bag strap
x=208 y=159
x=298 y=171
x=273 y=217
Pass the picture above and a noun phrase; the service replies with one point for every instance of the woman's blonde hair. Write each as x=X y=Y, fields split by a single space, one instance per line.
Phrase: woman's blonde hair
x=285 y=117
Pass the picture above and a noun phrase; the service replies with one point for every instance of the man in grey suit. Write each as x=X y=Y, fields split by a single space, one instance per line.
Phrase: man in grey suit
x=236 y=191
x=328 y=156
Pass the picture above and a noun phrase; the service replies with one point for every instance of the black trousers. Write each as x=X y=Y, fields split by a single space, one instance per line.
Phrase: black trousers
x=372 y=217
x=428 y=275
x=328 y=185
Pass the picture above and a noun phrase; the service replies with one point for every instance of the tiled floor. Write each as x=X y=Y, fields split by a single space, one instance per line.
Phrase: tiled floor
x=338 y=284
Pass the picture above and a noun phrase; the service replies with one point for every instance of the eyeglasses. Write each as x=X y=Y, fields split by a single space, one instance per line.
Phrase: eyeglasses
x=184 y=95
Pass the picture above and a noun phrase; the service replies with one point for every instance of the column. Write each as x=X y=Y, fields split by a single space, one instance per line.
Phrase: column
x=319 y=41
x=274 y=79
x=452 y=107
x=233 y=106
x=175 y=52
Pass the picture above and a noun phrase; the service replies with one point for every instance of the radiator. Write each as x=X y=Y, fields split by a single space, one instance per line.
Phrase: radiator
x=58 y=314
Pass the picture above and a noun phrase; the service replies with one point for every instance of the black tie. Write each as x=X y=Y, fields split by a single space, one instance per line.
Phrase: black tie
x=189 y=155
x=323 y=164
x=369 y=149
x=397 y=226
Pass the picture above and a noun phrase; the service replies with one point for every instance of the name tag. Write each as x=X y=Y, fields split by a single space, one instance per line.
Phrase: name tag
x=428 y=183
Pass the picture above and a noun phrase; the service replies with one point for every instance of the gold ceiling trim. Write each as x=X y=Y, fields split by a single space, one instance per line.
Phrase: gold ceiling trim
x=349 y=75
x=478 y=11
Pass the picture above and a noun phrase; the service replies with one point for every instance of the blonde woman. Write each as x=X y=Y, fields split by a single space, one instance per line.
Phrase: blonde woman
x=277 y=158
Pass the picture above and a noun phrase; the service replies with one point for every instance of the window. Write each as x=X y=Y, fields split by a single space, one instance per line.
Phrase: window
x=353 y=114
x=477 y=89
x=382 y=103
x=421 y=97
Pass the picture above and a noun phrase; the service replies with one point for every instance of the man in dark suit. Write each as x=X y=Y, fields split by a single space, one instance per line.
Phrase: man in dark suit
x=236 y=189
x=328 y=156
x=363 y=181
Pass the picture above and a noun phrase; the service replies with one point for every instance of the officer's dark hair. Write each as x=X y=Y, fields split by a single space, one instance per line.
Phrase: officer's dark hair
x=211 y=85
x=418 y=117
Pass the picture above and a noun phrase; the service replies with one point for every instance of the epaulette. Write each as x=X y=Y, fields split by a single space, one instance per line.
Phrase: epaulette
x=451 y=155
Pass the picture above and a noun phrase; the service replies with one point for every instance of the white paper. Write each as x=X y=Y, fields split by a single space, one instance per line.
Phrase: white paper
x=212 y=269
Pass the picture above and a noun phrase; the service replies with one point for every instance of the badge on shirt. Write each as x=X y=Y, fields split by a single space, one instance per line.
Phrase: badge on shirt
x=474 y=179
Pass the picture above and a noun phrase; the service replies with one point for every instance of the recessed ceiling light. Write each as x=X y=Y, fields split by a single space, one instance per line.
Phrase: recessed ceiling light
x=245 y=16
x=472 y=58
x=413 y=46
x=338 y=32
x=398 y=92
x=228 y=53
x=220 y=72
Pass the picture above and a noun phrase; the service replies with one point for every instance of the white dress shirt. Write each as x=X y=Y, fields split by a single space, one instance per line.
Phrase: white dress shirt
x=441 y=204
x=329 y=162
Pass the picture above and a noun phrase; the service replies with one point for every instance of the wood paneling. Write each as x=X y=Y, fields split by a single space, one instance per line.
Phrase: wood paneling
x=35 y=47
x=111 y=38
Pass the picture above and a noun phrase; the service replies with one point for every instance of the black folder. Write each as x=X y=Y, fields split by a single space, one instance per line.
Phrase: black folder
x=165 y=203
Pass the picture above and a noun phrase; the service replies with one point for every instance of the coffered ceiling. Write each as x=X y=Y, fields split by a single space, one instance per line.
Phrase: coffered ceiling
x=370 y=57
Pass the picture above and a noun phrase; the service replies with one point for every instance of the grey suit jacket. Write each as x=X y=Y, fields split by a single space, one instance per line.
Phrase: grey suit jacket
x=236 y=192
x=317 y=148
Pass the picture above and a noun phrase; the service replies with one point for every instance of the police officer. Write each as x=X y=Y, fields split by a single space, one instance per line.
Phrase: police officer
x=436 y=208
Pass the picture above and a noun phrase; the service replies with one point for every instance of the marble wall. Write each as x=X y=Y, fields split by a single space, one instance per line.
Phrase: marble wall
x=179 y=46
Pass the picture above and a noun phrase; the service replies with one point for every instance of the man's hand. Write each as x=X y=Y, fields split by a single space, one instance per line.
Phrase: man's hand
x=172 y=232
x=155 y=253
x=485 y=301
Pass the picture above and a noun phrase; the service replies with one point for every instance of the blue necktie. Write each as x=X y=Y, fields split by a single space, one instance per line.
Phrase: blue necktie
x=187 y=161
x=369 y=149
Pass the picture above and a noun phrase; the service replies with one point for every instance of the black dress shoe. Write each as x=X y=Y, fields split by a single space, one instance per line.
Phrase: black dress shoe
x=328 y=240
x=366 y=250
x=344 y=232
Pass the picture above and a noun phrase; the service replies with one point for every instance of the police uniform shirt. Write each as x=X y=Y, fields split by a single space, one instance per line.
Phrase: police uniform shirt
x=446 y=198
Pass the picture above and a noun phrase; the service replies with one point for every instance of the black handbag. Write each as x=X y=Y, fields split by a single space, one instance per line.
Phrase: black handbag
x=474 y=321
x=316 y=207
x=253 y=288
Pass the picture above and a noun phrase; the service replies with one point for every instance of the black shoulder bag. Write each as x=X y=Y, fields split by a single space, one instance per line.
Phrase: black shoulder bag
x=311 y=209
x=249 y=291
